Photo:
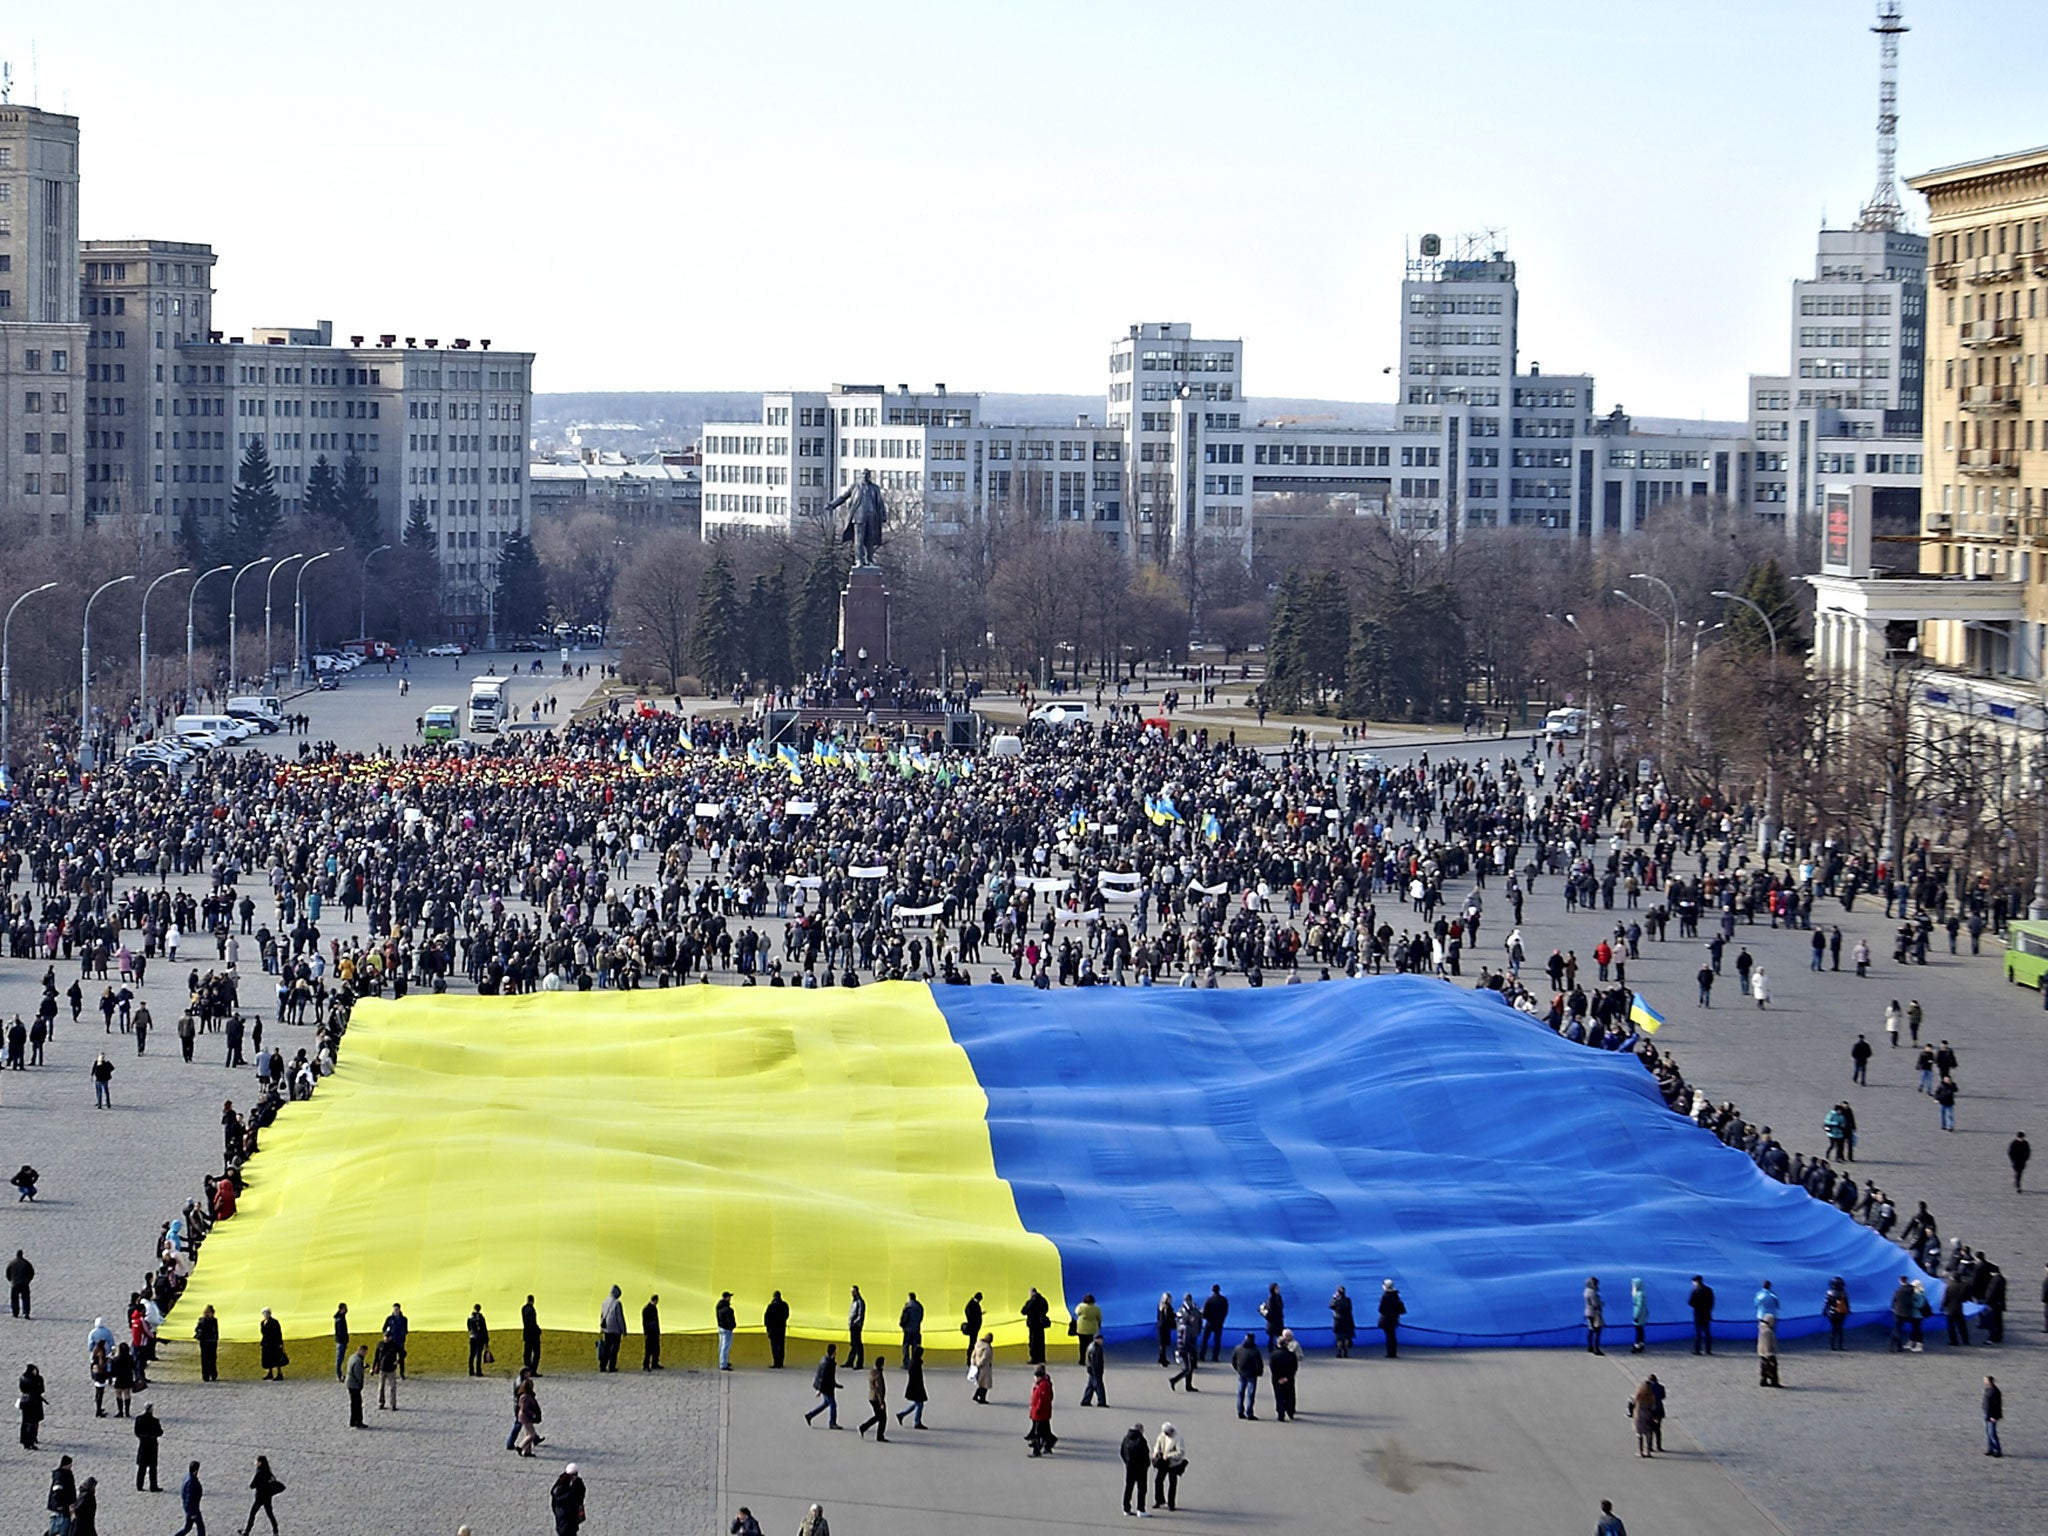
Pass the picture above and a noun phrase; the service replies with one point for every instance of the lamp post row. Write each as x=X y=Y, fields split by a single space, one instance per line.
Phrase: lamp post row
x=85 y=725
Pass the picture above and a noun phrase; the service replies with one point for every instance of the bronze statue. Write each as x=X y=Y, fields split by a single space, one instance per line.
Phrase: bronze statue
x=864 y=521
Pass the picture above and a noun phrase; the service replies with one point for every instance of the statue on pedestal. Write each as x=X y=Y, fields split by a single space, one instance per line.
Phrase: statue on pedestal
x=864 y=520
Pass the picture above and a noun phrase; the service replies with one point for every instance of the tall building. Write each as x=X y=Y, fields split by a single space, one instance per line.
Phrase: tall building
x=1849 y=412
x=440 y=429
x=1986 y=511
x=142 y=300
x=42 y=342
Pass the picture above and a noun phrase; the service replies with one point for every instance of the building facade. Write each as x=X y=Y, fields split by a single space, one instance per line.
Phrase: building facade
x=1985 y=515
x=43 y=343
x=656 y=491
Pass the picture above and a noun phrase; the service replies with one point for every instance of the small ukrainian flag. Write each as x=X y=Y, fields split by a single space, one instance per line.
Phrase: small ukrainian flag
x=1643 y=1016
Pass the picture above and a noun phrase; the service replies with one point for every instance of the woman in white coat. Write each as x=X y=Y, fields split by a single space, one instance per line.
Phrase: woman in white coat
x=1759 y=987
x=981 y=1366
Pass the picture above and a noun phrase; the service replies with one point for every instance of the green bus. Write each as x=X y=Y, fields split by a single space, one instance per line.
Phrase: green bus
x=442 y=721
x=2026 y=953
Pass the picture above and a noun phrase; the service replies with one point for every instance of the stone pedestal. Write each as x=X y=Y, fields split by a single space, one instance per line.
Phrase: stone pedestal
x=864 y=617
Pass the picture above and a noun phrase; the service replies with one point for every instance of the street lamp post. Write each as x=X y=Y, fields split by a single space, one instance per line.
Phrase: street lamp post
x=1670 y=642
x=1769 y=829
x=142 y=668
x=2037 y=909
x=269 y=585
x=1664 y=698
x=363 y=623
x=299 y=613
x=191 y=611
x=1592 y=709
x=85 y=675
x=7 y=667
x=234 y=586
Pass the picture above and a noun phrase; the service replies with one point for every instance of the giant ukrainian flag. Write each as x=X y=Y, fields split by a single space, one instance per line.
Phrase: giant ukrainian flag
x=901 y=1138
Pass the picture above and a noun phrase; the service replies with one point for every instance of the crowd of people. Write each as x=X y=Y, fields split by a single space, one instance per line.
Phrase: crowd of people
x=635 y=849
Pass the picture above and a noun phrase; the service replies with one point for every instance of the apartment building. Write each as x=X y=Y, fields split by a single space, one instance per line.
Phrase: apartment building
x=1985 y=515
x=43 y=344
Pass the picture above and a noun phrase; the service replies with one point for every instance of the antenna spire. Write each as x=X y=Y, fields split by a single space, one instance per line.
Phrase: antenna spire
x=1884 y=211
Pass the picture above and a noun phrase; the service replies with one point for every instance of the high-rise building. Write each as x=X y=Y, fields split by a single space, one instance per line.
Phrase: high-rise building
x=141 y=300
x=42 y=342
x=1985 y=514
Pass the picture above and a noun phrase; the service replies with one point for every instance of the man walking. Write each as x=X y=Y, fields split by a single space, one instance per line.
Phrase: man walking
x=1037 y=1313
x=825 y=1382
x=2017 y=1152
x=190 y=1492
x=1610 y=1523
x=1994 y=1410
x=1860 y=1053
x=529 y=1331
x=479 y=1332
x=1092 y=1362
x=340 y=1339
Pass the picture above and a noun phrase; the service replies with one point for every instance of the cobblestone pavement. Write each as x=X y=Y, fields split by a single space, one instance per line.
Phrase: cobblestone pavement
x=1446 y=1441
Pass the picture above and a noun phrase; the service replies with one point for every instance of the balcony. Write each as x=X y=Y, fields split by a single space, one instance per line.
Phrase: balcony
x=1990 y=333
x=1991 y=397
x=1991 y=463
x=1940 y=522
x=2039 y=261
x=1995 y=269
x=1943 y=274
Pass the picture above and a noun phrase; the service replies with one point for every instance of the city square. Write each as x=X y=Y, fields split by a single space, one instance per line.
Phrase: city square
x=1282 y=955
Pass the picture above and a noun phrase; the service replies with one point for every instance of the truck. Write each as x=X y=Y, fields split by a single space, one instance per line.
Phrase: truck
x=442 y=722
x=487 y=705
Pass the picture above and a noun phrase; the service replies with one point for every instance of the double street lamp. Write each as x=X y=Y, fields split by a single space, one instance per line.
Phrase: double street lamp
x=85 y=674
x=234 y=615
x=7 y=667
x=363 y=621
x=1769 y=829
x=299 y=612
x=269 y=583
x=191 y=605
x=142 y=669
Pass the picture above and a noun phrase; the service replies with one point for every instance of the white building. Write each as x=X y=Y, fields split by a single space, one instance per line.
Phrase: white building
x=43 y=342
x=1849 y=411
x=443 y=429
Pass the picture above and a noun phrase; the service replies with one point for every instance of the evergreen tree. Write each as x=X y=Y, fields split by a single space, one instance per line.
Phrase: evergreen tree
x=192 y=548
x=817 y=612
x=768 y=632
x=522 y=591
x=1765 y=585
x=718 y=641
x=356 y=506
x=1286 y=663
x=323 y=491
x=1407 y=657
x=419 y=530
x=254 y=511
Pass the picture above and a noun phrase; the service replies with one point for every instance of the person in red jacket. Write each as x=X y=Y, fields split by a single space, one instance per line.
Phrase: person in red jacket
x=1603 y=955
x=1041 y=1439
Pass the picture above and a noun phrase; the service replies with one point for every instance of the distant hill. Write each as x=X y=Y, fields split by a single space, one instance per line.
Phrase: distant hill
x=663 y=418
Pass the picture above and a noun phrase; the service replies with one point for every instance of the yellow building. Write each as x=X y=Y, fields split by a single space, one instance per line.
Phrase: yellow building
x=1984 y=512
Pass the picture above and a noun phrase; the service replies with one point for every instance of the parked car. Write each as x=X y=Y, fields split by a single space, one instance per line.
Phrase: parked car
x=523 y=645
x=448 y=648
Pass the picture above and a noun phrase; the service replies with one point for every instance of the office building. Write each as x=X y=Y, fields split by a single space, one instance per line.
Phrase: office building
x=42 y=341
x=656 y=491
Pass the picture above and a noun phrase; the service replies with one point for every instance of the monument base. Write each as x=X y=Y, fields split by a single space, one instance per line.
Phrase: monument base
x=864 y=618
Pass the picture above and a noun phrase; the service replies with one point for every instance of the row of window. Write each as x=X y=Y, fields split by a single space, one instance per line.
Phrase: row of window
x=32 y=485
x=1547 y=399
x=1453 y=336
x=1362 y=455
x=1811 y=304
x=1454 y=367
x=1478 y=304
x=1844 y=336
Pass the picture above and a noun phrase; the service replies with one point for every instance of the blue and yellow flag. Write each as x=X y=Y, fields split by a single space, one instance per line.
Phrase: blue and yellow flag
x=1643 y=1016
x=1212 y=829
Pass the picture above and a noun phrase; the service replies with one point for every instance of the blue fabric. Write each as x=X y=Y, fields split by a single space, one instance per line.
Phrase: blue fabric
x=1388 y=1128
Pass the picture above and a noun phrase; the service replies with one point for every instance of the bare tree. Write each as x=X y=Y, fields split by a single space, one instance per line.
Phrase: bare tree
x=656 y=604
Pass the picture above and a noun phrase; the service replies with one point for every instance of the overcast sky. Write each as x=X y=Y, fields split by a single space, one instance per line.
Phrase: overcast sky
x=670 y=194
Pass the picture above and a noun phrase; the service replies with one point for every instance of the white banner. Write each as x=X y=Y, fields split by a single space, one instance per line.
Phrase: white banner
x=931 y=911
x=1050 y=887
x=869 y=871
x=1210 y=890
x=710 y=810
x=804 y=882
x=1127 y=878
x=802 y=807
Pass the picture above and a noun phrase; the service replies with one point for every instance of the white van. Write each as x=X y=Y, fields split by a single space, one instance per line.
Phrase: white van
x=264 y=710
x=1564 y=723
x=1006 y=745
x=224 y=726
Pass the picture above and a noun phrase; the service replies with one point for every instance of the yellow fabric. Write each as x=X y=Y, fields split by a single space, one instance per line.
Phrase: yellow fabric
x=680 y=1142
